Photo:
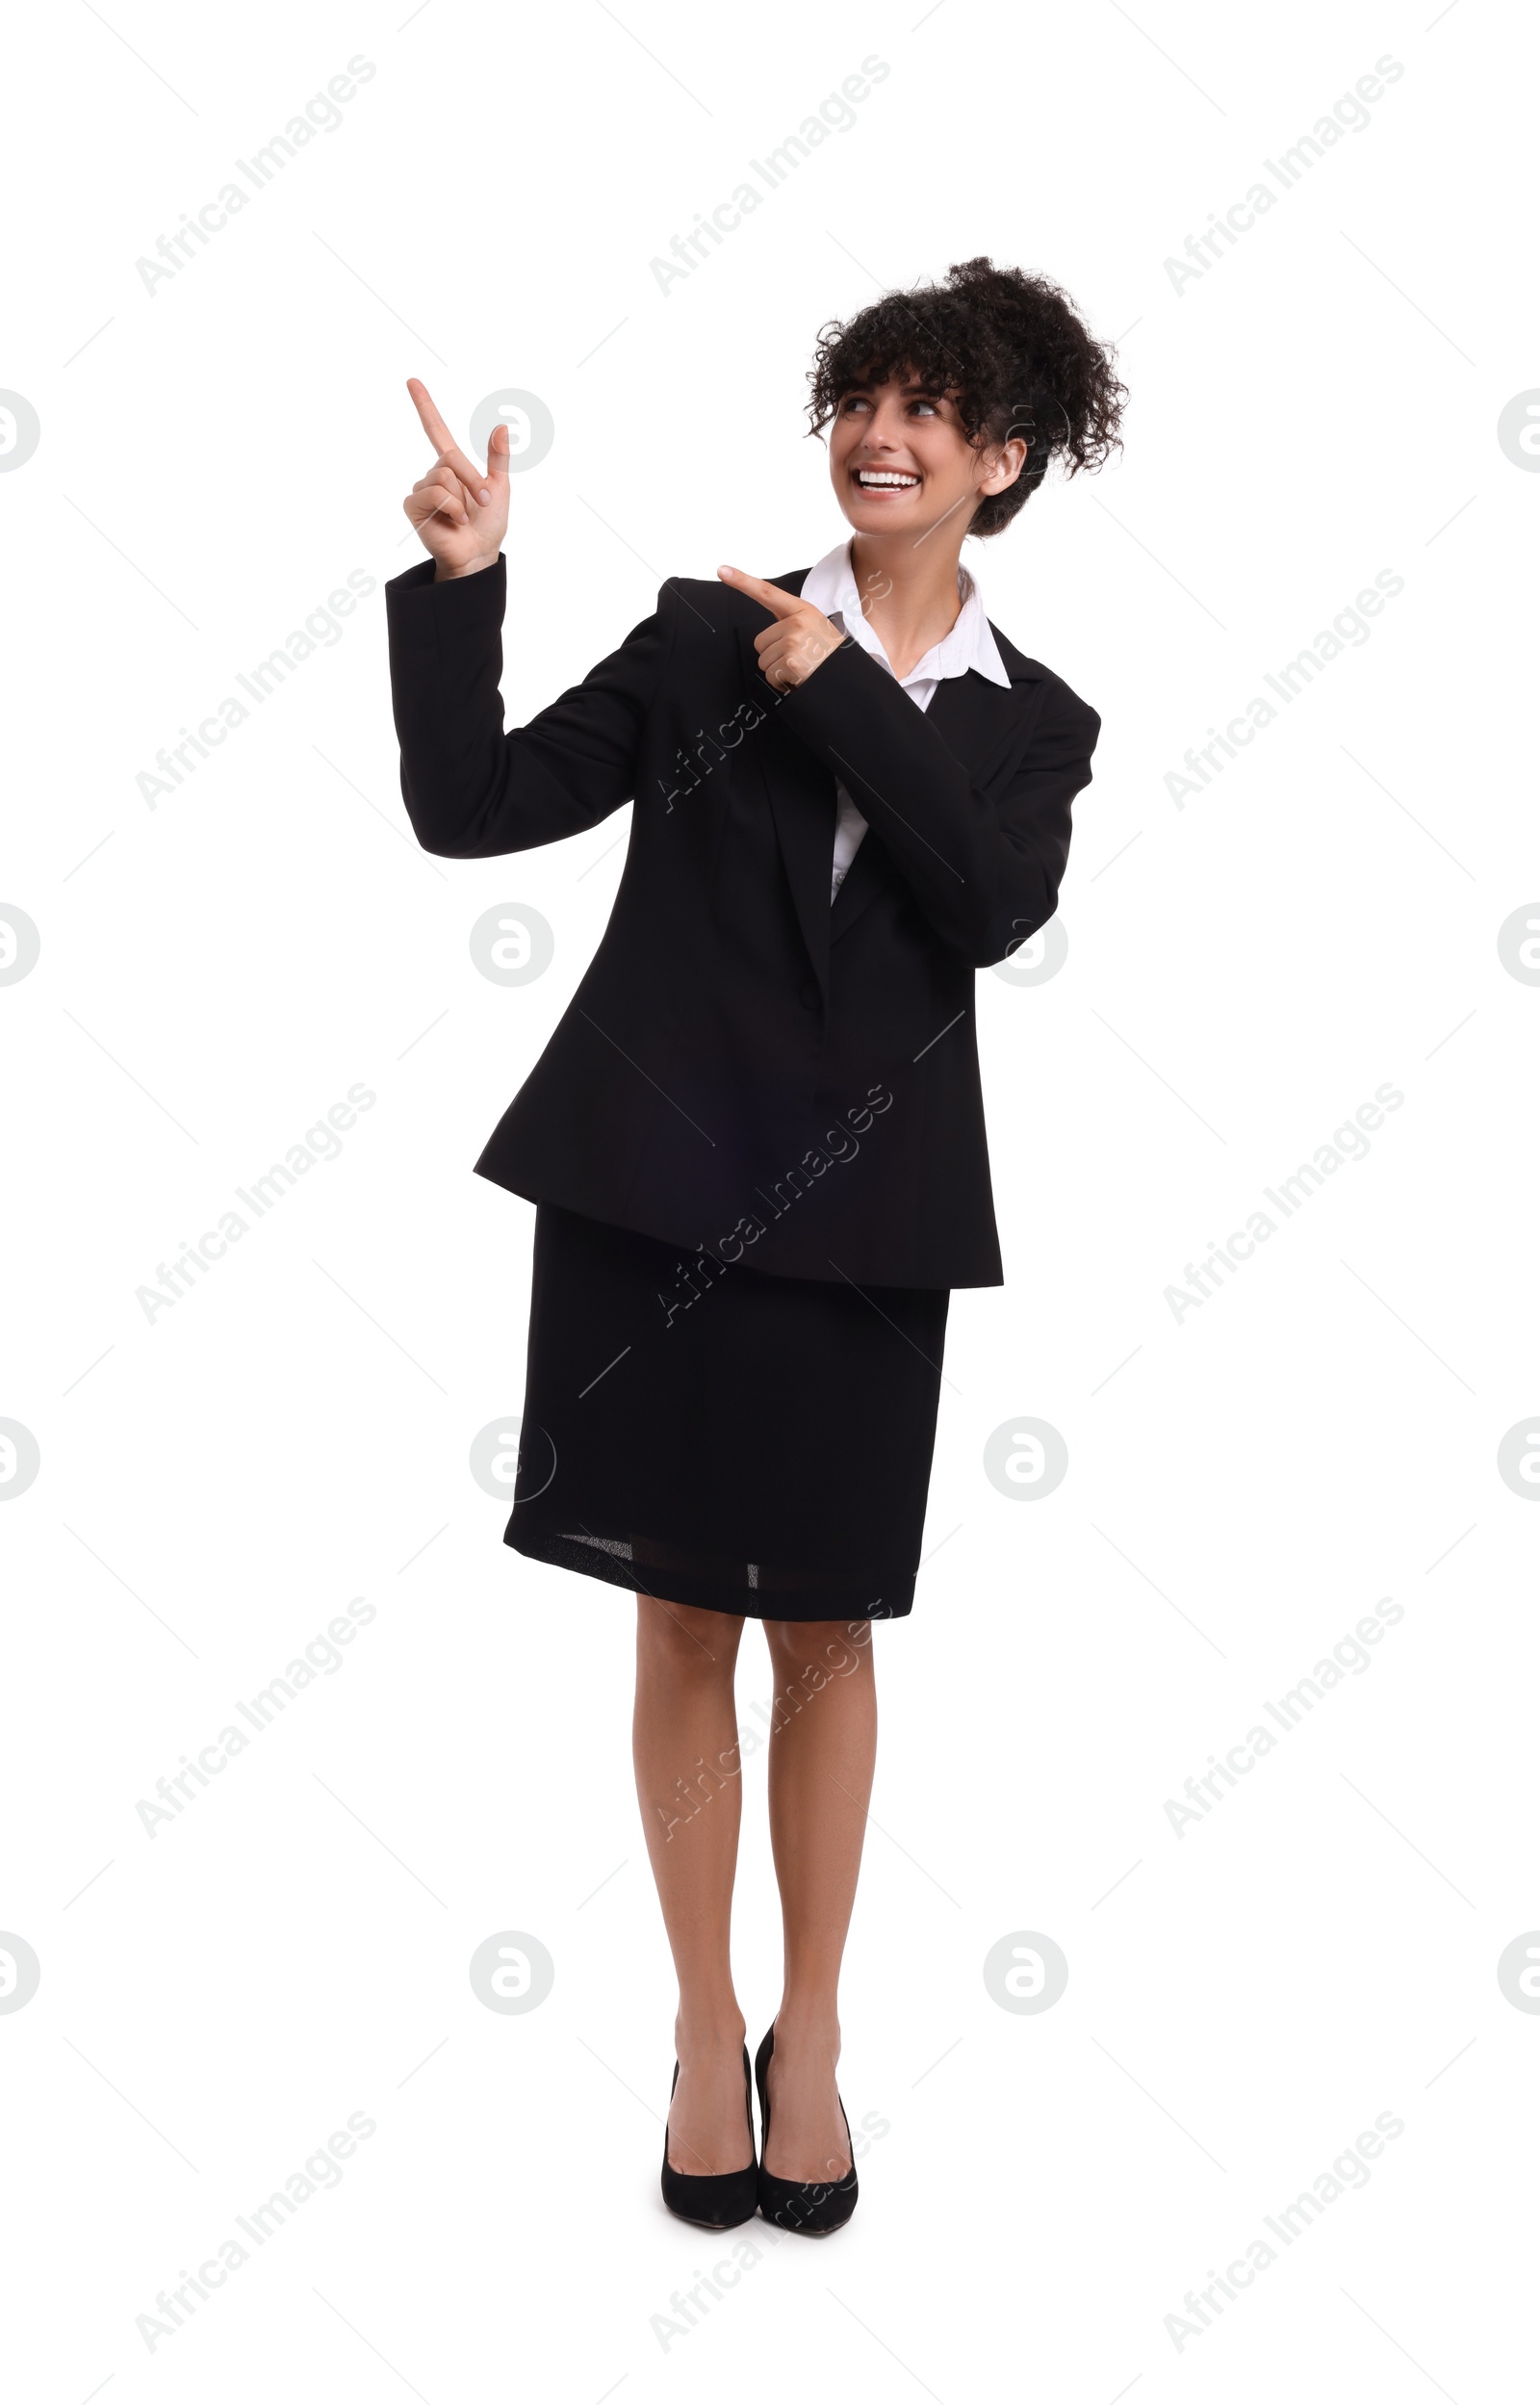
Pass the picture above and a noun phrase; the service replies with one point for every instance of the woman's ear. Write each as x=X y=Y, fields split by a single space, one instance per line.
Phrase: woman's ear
x=1008 y=467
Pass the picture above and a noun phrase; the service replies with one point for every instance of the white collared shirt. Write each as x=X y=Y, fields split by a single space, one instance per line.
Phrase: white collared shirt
x=831 y=587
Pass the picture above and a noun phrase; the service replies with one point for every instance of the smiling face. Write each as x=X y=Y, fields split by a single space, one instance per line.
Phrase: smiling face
x=901 y=463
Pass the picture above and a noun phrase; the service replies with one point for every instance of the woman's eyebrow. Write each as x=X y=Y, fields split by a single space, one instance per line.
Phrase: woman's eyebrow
x=912 y=392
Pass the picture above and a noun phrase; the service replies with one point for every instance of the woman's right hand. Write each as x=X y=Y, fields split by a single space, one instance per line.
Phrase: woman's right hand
x=460 y=514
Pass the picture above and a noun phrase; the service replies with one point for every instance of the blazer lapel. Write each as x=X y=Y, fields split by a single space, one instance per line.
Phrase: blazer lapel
x=804 y=807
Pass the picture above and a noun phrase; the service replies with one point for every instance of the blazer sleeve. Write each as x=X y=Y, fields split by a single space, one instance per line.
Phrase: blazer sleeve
x=984 y=872
x=472 y=789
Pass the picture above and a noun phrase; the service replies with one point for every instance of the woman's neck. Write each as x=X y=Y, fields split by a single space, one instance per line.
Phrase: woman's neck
x=908 y=591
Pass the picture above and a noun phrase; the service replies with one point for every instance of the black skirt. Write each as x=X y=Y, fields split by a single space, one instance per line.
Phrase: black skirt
x=716 y=1437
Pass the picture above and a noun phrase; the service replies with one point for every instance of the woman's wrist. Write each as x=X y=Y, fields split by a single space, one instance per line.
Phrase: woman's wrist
x=473 y=567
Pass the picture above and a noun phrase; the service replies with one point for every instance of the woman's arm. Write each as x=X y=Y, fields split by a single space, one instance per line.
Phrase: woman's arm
x=985 y=873
x=470 y=787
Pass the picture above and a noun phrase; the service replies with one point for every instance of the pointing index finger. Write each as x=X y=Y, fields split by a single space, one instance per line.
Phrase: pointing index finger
x=433 y=426
x=773 y=597
x=474 y=479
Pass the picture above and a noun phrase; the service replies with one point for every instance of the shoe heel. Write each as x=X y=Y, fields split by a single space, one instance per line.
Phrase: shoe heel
x=815 y=2207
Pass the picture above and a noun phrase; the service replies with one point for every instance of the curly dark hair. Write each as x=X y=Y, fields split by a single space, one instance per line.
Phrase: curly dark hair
x=1010 y=351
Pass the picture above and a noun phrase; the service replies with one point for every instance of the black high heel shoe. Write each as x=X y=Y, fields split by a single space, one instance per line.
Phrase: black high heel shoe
x=814 y=2206
x=714 y=2199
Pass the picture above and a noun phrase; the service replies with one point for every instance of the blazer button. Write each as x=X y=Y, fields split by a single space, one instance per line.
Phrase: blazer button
x=807 y=995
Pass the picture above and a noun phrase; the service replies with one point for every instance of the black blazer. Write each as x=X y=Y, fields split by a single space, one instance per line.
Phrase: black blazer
x=744 y=1069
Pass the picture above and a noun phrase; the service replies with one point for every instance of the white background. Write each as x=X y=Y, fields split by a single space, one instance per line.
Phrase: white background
x=1242 y=972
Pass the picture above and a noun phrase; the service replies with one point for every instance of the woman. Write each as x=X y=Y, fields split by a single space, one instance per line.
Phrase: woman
x=755 y=1139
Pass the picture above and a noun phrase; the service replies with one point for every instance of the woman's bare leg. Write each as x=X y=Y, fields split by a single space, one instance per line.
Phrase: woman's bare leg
x=822 y=1749
x=689 y=1784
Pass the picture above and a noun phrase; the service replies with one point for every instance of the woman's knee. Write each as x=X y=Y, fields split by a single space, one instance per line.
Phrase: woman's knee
x=685 y=1640
x=828 y=1648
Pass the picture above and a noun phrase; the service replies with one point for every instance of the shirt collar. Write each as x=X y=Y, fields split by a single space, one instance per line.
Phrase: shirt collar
x=831 y=587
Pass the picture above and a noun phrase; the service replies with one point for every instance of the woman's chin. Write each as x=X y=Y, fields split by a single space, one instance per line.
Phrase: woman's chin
x=869 y=514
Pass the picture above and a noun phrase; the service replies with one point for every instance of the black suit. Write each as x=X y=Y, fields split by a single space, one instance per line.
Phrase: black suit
x=744 y=1067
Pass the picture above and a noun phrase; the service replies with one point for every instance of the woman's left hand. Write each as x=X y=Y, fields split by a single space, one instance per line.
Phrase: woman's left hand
x=800 y=639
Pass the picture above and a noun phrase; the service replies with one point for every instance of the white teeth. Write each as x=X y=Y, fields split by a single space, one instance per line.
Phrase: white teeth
x=879 y=475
